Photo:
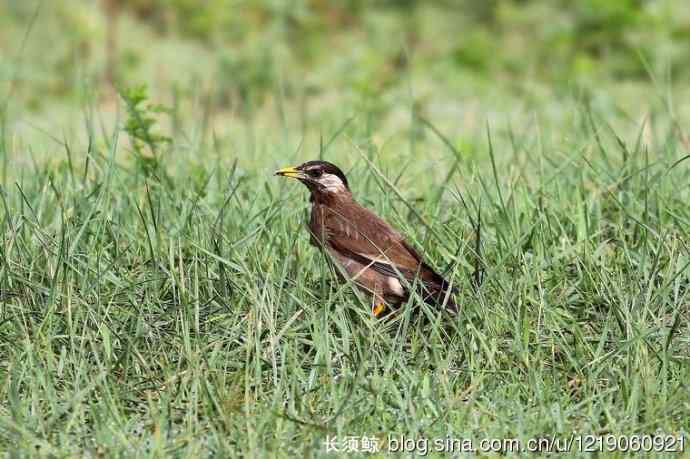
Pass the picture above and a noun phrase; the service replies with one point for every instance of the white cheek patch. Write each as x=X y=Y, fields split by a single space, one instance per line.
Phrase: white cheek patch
x=332 y=183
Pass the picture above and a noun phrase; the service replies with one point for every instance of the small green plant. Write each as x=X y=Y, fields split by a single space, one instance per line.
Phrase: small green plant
x=147 y=144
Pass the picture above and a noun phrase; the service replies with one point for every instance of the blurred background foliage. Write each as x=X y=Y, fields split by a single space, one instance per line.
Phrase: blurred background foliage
x=235 y=57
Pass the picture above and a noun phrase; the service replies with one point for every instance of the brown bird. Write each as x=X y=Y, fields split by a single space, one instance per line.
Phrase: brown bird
x=371 y=253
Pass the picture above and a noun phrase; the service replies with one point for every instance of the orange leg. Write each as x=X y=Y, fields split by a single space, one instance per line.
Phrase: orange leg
x=379 y=305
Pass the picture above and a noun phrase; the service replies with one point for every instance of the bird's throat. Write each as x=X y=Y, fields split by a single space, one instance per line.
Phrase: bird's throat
x=330 y=198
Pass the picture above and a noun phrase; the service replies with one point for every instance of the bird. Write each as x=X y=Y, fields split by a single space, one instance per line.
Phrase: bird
x=369 y=251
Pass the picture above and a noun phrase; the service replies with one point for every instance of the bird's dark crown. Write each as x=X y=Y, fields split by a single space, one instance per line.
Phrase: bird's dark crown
x=322 y=167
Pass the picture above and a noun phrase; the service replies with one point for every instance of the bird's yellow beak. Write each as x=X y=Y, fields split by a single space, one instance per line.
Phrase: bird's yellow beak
x=288 y=172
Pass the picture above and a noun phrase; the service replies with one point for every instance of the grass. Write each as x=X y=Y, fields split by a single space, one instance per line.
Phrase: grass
x=191 y=317
x=159 y=297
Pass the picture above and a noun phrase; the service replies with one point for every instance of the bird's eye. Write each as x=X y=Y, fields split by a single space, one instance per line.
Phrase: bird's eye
x=315 y=173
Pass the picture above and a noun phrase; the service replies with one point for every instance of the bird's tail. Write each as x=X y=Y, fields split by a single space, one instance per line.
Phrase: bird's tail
x=441 y=296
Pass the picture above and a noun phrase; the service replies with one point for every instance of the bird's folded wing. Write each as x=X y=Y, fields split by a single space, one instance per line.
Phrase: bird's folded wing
x=372 y=242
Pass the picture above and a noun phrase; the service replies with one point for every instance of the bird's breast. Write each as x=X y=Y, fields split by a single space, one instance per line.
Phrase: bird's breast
x=317 y=226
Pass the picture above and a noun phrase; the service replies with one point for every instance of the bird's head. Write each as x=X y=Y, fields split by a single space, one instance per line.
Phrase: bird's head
x=318 y=176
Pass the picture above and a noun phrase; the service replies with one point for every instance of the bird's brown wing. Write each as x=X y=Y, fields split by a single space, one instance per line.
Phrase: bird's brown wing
x=361 y=235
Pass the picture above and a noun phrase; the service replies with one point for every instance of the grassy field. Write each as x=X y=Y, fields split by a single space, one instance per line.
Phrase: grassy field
x=159 y=297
